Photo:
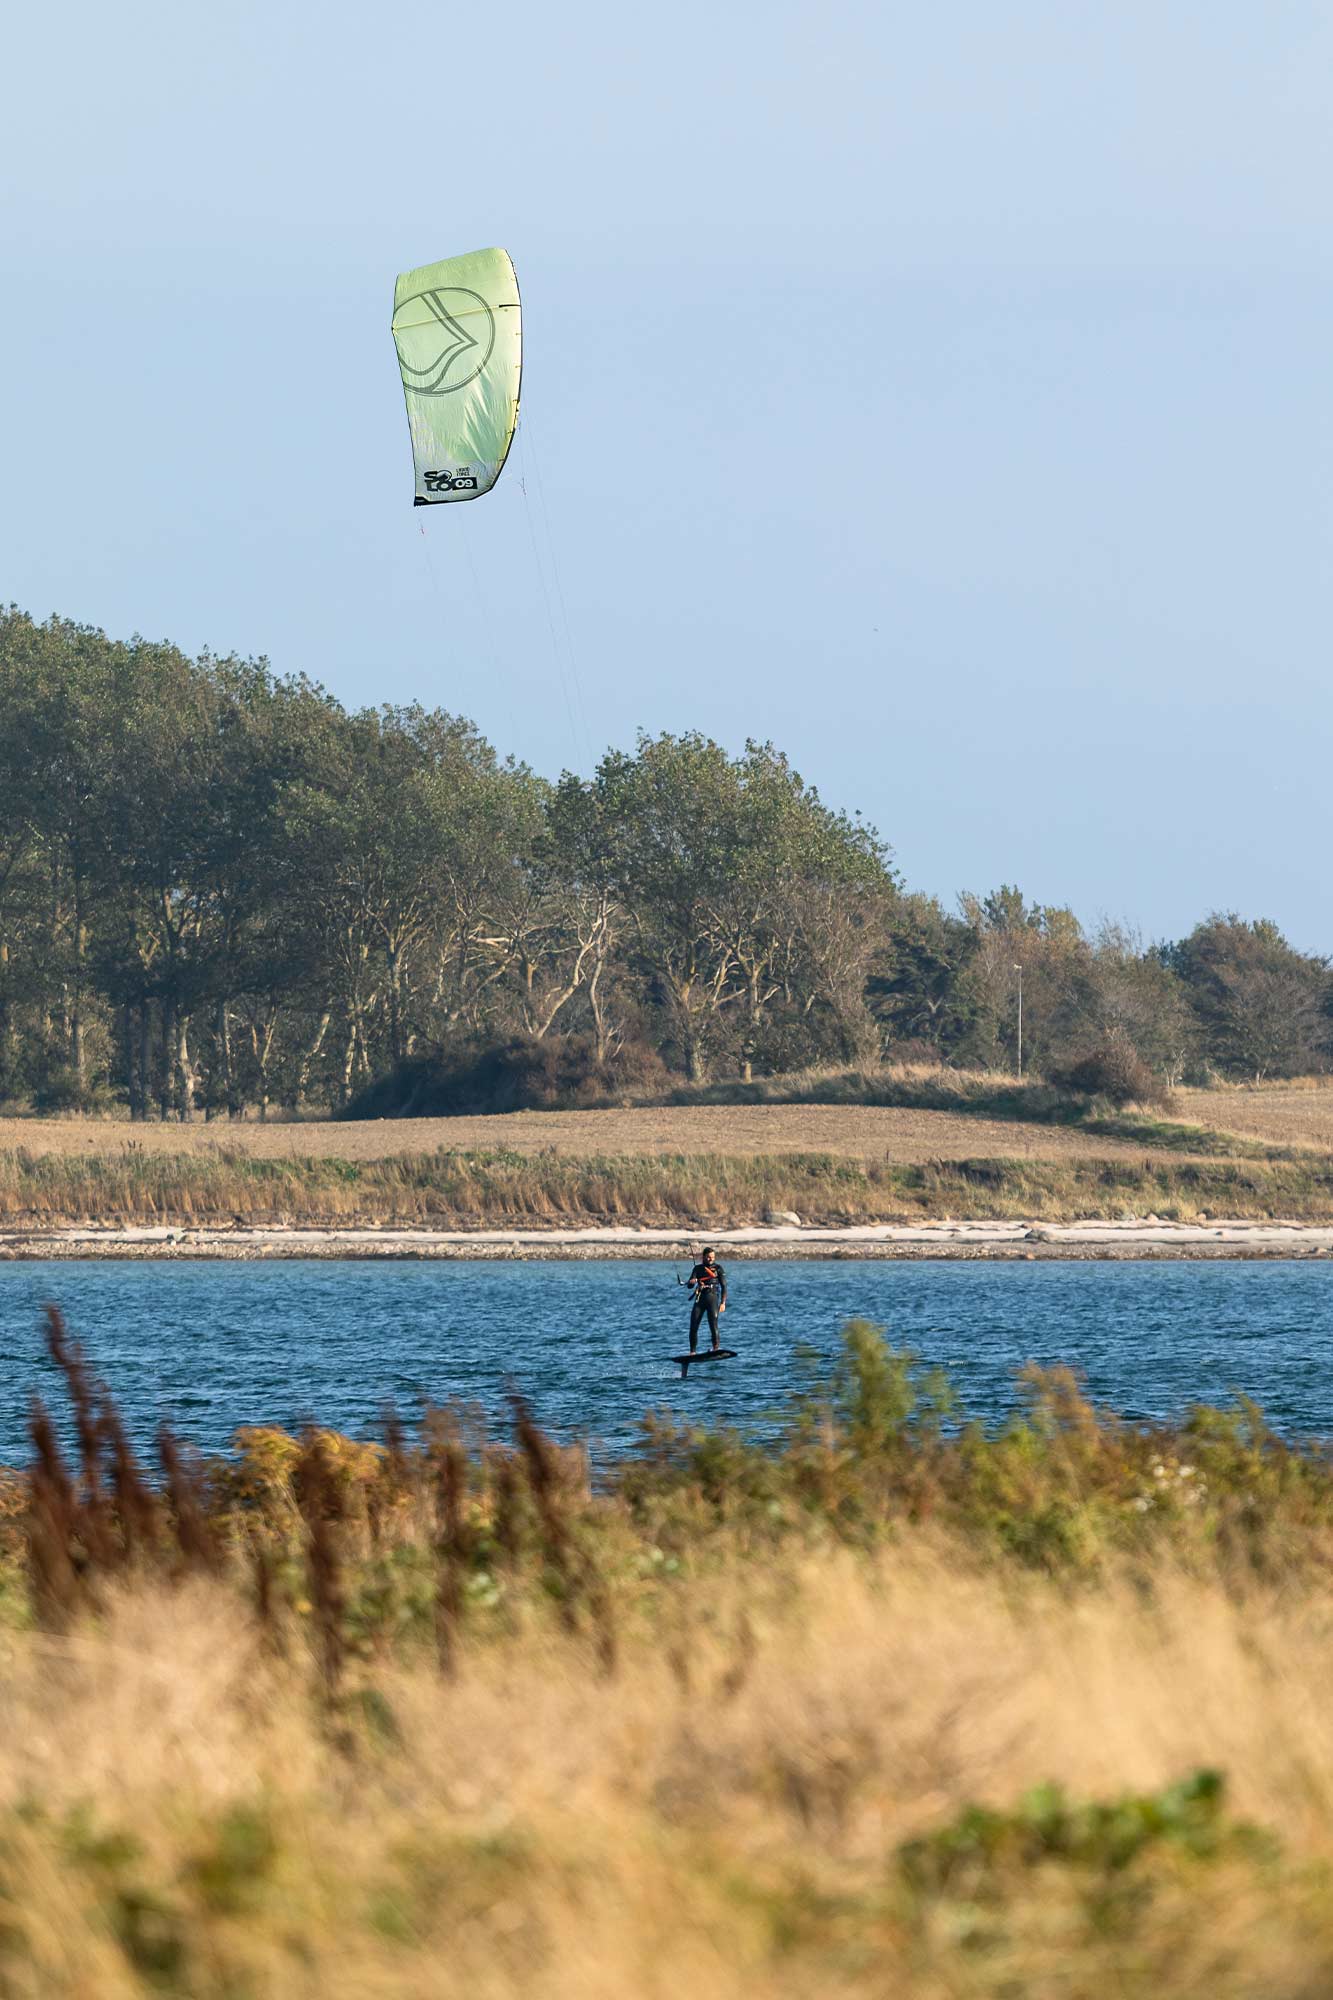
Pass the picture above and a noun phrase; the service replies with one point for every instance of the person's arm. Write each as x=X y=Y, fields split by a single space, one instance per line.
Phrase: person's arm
x=722 y=1286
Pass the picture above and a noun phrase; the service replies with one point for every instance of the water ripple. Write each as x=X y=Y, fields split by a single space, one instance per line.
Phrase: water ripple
x=213 y=1346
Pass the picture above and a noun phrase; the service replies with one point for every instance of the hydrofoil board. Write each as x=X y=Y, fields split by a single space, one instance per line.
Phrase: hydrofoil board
x=704 y=1354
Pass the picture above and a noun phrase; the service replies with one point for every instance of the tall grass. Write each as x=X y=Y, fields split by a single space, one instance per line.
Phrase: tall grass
x=899 y=1707
x=452 y=1189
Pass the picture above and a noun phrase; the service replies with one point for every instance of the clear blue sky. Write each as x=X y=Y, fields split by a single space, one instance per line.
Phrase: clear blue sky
x=942 y=392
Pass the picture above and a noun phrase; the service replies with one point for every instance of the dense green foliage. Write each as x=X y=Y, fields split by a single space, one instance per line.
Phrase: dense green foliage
x=219 y=888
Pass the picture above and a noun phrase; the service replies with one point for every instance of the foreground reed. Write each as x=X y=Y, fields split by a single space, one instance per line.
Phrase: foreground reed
x=897 y=1706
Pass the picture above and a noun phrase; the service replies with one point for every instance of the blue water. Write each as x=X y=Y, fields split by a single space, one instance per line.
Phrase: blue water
x=213 y=1346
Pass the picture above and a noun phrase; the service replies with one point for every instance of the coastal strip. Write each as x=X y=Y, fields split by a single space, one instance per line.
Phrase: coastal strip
x=1014 y=1240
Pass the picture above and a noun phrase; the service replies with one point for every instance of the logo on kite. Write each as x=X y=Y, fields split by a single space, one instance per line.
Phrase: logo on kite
x=451 y=482
x=444 y=336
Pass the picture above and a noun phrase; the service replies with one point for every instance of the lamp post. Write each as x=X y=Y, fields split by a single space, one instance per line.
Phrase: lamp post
x=1019 y=970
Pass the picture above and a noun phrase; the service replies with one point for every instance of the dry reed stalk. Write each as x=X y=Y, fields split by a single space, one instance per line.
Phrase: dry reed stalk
x=395 y=1483
x=77 y=1529
x=543 y=1474
x=451 y=1553
x=55 y=1564
x=136 y=1507
x=267 y=1605
x=397 y=1457
x=94 y=1524
x=196 y=1537
x=506 y=1507
x=581 y=1582
x=322 y=1510
x=375 y=1508
x=263 y=1577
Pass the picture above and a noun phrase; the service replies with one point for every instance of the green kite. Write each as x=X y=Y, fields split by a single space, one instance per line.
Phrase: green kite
x=458 y=330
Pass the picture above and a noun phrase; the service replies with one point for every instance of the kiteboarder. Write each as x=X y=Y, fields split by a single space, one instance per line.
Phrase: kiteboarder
x=708 y=1282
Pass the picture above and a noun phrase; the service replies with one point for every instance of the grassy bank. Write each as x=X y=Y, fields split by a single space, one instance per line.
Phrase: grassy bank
x=895 y=1708
x=916 y=1112
x=448 y=1189
x=990 y=1094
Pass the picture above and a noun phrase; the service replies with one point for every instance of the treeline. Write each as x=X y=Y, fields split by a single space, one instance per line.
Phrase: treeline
x=220 y=889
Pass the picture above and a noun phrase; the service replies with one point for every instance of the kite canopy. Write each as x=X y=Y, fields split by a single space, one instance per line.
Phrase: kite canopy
x=460 y=348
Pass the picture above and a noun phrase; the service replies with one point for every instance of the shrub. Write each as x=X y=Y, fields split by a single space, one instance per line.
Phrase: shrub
x=1114 y=1069
x=557 y=1074
x=63 y=1090
x=913 y=1051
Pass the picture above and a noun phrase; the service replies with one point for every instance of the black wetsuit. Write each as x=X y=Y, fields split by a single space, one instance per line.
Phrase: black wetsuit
x=710 y=1281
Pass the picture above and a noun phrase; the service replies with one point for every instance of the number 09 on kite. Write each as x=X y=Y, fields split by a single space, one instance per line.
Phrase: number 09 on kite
x=458 y=330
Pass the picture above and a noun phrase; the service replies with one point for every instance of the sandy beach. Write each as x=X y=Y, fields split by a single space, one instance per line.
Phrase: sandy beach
x=1007 y=1239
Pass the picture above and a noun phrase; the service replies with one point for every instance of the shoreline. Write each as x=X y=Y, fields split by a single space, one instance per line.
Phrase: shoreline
x=1028 y=1241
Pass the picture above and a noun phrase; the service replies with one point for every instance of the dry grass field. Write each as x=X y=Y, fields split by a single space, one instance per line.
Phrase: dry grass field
x=844 y=1147
x=861 y=1132
x=1299 y=1113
